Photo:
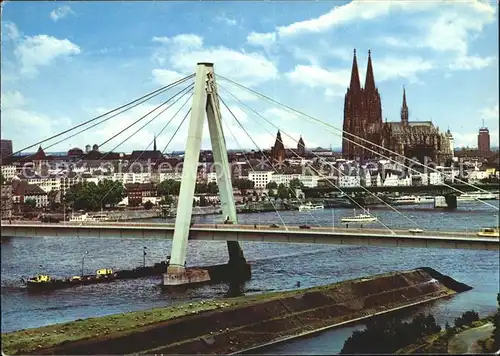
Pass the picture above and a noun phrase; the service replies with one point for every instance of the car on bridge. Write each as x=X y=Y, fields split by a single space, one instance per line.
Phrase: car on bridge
x=304 y=227
x=416 y=231
x=274 y=226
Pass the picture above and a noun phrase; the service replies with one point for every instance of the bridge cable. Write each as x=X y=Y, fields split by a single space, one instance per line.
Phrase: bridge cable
x=332 y=166
x=263 y=155
x=288 y=108
x=333 y=184
x=102 y=121
x=246 y=158
x=148 y=96
x=176 y=130
x=183 y=91
x=158 y=135
x=107 y=153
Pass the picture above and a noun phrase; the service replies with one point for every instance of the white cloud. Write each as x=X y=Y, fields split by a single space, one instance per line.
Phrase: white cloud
x=318 y=77
x=354 y=11
x=275 y=113
x=183 y=41
x=394 y=42
x=335 y=81
x=450 y=30
x=490 y=113
x=261 y=39
x=166 y=76
x=41 y=50
x=226 y=20
x=182 y=52
x=18 y=118
x=60 y=13
x=471 y=62
x=446 y=27
x=11 y=31
x=469 y=139
x=392 y=68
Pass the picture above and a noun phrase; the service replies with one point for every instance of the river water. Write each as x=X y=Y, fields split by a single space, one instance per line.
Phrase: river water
x=274 y=267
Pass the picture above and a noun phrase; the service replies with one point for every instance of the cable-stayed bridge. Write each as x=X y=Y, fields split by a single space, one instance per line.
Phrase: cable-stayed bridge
x=206 y=103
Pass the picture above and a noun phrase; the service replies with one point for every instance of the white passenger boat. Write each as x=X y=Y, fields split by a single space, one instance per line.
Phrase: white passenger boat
x=361 y=218
x=311 y=207
x=413 y=199
x=477 y=196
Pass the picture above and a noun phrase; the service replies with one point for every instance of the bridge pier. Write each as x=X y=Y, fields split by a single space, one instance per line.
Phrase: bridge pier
x=448 y=201
x=205 y=101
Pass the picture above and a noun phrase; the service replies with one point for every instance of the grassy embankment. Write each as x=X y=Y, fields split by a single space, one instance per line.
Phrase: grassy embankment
x=29 y=340
x=241 y=320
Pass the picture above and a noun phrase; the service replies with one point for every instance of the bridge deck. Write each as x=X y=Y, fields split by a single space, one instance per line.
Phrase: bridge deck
x=260 y=233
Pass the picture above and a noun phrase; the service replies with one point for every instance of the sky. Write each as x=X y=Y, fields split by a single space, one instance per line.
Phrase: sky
x=66 y=62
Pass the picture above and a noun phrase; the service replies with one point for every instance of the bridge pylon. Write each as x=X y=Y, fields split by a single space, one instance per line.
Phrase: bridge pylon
x=205 y=102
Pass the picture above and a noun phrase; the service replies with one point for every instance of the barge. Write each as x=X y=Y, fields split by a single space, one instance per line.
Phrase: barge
x=103 y=275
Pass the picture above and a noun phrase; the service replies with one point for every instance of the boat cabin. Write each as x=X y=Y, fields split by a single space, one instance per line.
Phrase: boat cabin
x=104 y=272
x=41 y=279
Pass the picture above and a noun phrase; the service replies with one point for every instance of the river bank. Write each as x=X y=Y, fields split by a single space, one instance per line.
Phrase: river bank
x=234 y=325
x=475 y=338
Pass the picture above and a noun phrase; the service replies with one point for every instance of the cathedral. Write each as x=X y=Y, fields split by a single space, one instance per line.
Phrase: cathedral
x=363 y=119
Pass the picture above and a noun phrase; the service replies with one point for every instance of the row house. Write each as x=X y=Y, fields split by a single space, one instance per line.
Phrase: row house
x=6 y=201
x=139 y=193
x=8 y=171
x=22 y=191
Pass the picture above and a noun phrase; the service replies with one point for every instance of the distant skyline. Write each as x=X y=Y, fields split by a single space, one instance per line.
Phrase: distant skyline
x=63 y=63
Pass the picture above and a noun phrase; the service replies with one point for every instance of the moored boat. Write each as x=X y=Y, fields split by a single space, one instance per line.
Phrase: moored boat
x=103 y=275
x=311 y=207
x=361 y=218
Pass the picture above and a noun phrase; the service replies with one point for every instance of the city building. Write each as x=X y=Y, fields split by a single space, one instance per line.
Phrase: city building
x=6 y=201
x=278 y=150
x=363 y=122
x=22 y=192
x=139 y=193
x=5 y=149
x=483 y=140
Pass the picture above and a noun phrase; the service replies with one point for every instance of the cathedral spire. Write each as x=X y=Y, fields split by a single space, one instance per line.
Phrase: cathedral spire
x=154 y=143
x=355 y=84
x=404 y=109
x=370 y=79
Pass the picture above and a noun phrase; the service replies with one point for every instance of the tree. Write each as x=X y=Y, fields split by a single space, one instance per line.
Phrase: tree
x=212 y=188
x=203 y=201
x=84 y=196
x=496 y=323
x=243 y=184
x=296 y=184
x=148 y=205
x=466 y=318
x=30 y=202
x=2 y=179
x=283 y=192
x=387 y=334
x=272 y=185
x=169 y=187
x=110 y=192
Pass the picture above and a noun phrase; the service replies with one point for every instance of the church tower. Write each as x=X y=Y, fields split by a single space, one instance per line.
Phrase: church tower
x=278 y=150
x=301 y=147
x=373 y=105
x=404 y=109
x=353 y=111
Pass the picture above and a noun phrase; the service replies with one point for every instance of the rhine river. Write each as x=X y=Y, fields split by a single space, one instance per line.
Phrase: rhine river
x=274 y=267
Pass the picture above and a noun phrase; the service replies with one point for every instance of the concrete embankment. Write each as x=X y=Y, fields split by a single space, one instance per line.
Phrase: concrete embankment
x=237 y=324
